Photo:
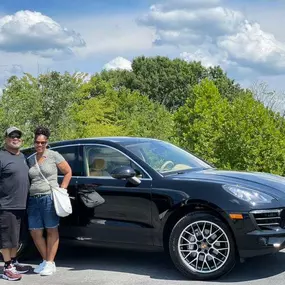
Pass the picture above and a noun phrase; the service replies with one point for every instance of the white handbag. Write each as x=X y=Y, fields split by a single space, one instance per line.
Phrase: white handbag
x=60 y=197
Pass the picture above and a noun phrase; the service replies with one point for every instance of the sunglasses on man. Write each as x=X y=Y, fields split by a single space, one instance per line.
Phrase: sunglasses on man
x=14 y=136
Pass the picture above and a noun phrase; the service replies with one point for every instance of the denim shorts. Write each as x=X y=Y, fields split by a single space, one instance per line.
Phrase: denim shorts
x=41 y=213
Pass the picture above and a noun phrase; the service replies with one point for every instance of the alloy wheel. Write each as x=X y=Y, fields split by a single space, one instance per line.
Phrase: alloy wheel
x=203 y=247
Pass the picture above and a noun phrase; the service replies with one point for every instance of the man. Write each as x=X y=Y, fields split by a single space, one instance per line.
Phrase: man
x=14 y=185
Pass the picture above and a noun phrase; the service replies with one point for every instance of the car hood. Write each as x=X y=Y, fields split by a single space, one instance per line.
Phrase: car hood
x=269 y=183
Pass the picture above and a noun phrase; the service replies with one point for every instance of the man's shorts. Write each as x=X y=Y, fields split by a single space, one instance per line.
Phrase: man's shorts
x=10 y=225
x=41 y=213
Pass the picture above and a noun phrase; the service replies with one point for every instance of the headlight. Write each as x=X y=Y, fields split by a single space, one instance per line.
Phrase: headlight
x=249 y=195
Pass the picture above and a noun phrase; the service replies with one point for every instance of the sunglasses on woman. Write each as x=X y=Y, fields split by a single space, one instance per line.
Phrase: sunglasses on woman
x=41 y=143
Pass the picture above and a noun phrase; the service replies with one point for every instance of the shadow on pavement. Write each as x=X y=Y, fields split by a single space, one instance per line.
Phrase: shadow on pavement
x=155 y=265
x=257 y=268
x=158 y=265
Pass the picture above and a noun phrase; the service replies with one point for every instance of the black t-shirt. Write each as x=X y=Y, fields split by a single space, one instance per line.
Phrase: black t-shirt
x=14 y=181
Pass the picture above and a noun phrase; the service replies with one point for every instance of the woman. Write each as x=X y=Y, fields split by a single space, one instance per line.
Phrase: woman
x=41 y=211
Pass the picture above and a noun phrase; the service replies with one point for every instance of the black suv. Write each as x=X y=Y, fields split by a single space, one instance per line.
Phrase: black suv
x=161 y=197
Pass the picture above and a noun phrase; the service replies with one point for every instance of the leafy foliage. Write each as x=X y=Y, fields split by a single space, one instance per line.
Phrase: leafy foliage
x=199 y=122
x=103 y=111
x=29 y=101
x=252 y=139
x=169 y=82
x=242 y=136
x=197 y=108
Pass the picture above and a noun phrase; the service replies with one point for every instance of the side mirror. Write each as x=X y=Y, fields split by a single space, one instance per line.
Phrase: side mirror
x=123 y=172
x=126 y=172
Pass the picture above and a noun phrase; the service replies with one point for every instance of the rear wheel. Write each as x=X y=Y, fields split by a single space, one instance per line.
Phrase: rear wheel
x=202 y=247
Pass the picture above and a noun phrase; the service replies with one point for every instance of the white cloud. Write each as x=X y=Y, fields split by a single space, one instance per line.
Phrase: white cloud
x=112 y=35
x=33 y=32
x=253 y=47
x=118 y=63
x=183 y=37
x=182 y=4
x=204 y=56
x=212 y=21
x=106 y=37
x=215 y=35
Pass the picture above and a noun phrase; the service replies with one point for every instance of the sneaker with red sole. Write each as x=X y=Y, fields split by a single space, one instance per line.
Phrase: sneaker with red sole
x=10 y=273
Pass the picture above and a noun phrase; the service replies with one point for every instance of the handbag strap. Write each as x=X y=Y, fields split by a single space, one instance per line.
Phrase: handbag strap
x=40 y=171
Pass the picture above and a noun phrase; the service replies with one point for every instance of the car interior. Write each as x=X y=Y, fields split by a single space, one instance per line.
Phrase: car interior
x=100 y=161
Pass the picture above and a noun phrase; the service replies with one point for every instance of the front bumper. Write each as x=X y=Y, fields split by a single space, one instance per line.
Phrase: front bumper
x=260 y=242
x=260 y=234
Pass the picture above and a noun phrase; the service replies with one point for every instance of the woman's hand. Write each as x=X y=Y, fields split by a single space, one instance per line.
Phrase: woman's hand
x=66 y=170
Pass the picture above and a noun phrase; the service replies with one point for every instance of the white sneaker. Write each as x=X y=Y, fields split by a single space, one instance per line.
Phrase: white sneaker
x=40 y=267
x=49 y=269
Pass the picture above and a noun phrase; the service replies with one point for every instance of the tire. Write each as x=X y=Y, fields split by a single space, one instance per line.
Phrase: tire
x=202 y=247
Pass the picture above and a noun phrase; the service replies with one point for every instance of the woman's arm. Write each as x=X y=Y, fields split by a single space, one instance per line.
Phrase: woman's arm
x=66 y=170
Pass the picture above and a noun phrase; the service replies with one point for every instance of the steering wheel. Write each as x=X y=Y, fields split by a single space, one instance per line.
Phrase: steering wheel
x=167 y=163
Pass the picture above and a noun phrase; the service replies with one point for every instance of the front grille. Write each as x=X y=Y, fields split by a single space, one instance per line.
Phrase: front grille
x=269 y=218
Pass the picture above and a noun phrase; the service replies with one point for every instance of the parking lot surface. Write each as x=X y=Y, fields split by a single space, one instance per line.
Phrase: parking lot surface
x=85 y=265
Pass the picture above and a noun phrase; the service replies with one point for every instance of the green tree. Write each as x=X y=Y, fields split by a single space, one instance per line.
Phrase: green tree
x=94 y=112
x=198 y=123
x=142 y=117
x=170 y=82
x=101 y=110
x=20 y=105
x=242 y=135
x=29 y=101
x=227 y=87
x=161 y=79
x=58 y=93
x=252 y=139
x=95 y=117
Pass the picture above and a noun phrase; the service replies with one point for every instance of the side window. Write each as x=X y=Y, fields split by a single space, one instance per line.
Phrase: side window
x=71 y=154
x=102 y=160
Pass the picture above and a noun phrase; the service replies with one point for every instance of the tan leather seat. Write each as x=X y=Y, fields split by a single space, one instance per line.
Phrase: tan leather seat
x=98 y=168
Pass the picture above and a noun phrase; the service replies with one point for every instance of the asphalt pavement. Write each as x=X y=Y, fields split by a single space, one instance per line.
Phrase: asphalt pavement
x=85 y=265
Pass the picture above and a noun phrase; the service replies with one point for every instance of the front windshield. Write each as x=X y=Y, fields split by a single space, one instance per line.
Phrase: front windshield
x=165 y=157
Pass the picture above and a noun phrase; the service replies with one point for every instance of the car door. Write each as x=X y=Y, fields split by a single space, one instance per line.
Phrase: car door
x=125 y=217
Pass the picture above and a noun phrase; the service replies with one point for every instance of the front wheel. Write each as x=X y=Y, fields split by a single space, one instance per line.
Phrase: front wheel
x=202 y=247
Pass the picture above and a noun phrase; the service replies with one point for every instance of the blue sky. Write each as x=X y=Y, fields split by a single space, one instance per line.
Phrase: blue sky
x=245 y=37
x=75 y=7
